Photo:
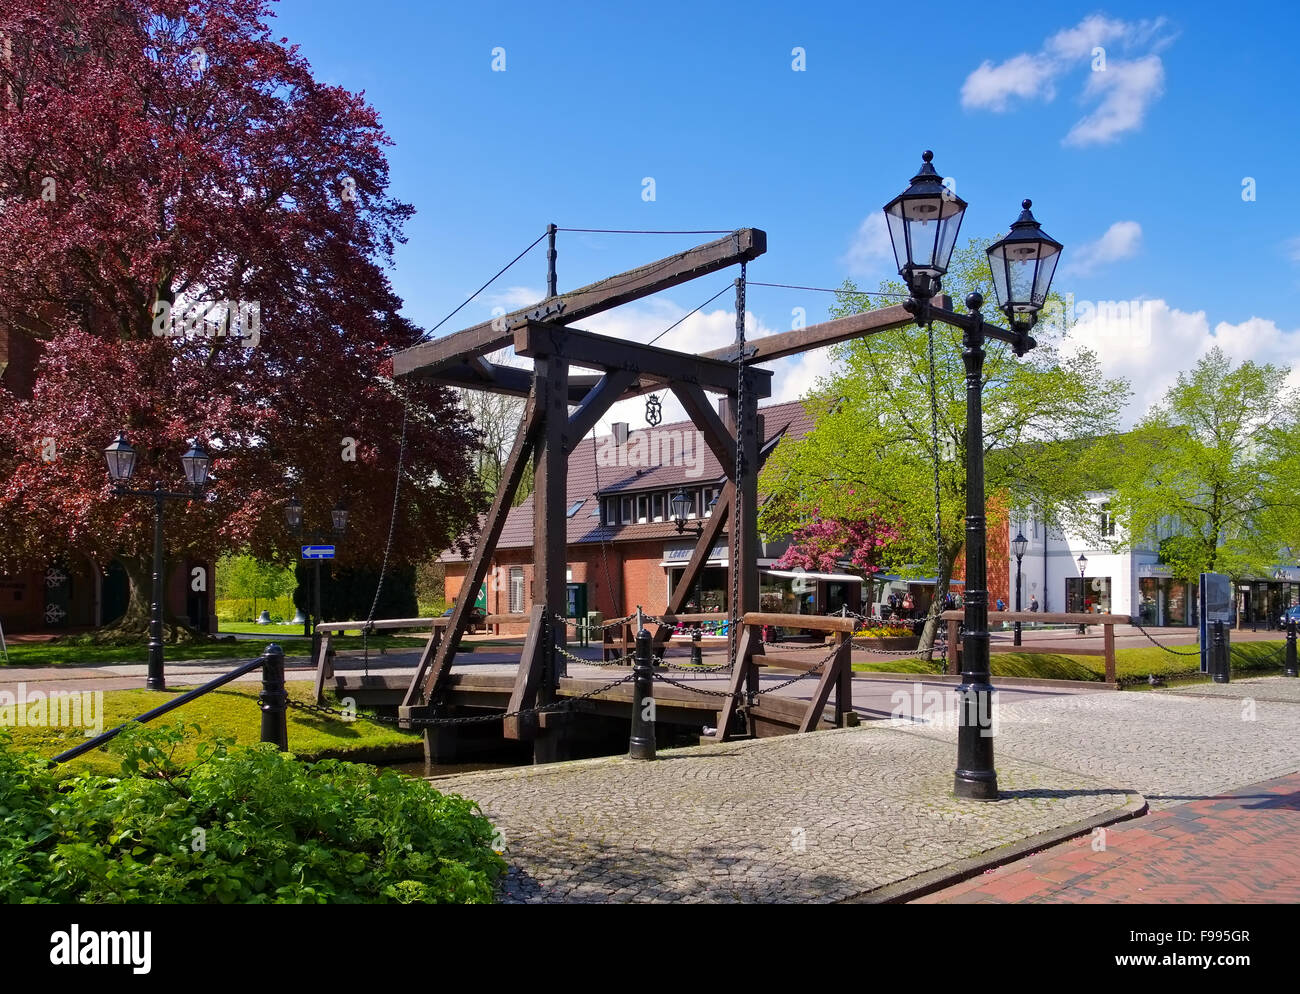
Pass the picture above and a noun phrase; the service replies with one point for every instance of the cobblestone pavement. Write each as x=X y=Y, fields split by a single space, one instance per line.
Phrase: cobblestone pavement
x=1238 y=847
x=721 y=823
x=806 y=818
x=1276 y=689
x=1170 y=747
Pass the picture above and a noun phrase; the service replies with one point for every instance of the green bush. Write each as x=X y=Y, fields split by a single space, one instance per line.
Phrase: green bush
x=243 y=825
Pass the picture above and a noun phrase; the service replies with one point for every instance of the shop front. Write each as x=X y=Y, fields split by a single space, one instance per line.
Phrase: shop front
x=1088 y=594
x=1162 y=600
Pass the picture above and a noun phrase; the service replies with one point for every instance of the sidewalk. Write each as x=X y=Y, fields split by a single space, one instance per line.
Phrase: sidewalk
x=1235 y=847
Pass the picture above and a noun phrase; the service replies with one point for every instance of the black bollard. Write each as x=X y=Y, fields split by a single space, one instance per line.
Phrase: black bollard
x=1220 y=654
x=696 y=656
x=642 y=743
x=1290 y=651
x=273 y=699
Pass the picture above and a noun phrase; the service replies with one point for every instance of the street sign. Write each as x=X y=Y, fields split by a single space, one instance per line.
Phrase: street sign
x=1216 y=605
x=318 y=552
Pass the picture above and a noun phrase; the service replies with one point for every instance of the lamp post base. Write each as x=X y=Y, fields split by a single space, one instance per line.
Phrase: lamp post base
x=974 y=785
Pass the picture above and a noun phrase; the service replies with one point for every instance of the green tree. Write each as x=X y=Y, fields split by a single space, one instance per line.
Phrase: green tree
x=871 y=446
x=1213 y=468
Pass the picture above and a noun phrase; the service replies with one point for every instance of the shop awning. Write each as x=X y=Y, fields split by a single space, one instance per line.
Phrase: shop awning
x=795 y=575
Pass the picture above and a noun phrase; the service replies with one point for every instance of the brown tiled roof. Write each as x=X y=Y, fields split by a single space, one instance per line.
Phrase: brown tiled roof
x=789 y=420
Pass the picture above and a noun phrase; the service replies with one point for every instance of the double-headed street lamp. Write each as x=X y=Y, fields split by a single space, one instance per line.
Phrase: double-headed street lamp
x=1018 y=546
x=923 y=224
x=339 y=523
x=121 y=467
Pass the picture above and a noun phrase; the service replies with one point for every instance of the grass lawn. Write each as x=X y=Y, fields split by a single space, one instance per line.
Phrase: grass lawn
x=231 y=711
x=1131 y=665
x=54 y=654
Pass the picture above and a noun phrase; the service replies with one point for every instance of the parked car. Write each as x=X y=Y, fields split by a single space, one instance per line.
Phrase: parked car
x=1289 y=615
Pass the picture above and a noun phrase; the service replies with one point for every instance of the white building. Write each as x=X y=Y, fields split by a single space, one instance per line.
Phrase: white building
x=1130 y=582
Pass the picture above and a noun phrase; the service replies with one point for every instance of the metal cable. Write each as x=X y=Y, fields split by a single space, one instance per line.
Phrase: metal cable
x=487 y=284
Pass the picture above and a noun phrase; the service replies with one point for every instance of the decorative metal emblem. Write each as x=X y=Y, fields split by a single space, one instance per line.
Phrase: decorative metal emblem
x=55 y=577
x=654 y=412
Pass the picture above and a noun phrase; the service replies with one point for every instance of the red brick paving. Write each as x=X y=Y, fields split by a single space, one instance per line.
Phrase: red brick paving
x=1240 y=847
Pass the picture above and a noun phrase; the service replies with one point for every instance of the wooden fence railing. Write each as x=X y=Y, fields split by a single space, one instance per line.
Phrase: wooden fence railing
x=836 y=675
x=1107 y=621
x=436 y=626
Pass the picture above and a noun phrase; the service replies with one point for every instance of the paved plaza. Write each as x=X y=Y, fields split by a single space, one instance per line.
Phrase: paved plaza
x=839 y=814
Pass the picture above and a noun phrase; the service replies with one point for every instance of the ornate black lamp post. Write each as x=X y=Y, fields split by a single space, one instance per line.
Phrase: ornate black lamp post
x=923 y=224
x=1083 y=568
x=121 y=467
x=1018 y=545
x=339 y=523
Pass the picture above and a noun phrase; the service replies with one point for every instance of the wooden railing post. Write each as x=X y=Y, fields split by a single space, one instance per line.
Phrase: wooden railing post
x=1109 y=643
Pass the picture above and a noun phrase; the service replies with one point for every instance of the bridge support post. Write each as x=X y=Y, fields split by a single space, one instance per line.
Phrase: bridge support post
x=273 y=700
x=642 y=743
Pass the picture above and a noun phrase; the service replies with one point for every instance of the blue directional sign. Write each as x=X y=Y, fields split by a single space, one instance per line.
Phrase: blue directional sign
x=318 y=552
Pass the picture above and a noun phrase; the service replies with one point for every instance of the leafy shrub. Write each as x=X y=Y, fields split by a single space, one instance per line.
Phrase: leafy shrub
x=247 y=825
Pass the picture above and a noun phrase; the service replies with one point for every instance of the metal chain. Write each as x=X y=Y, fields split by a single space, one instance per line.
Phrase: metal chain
x=388 y=546
x=934 y=450
x=1172 y=652
x=737 y=504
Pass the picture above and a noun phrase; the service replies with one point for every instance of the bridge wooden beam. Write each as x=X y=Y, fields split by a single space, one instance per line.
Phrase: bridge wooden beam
x=583 y=348
x=670 y=271
x=423 y=689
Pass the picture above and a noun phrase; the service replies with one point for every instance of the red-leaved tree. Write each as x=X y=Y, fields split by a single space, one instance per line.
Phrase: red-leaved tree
x=830 y=545
x=172 y=176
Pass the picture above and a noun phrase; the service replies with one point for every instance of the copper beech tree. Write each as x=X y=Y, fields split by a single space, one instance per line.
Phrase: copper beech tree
x=194 y=237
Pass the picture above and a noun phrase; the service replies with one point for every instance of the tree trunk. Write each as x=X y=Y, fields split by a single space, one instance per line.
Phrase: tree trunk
x=941 y=589
x=133 y=626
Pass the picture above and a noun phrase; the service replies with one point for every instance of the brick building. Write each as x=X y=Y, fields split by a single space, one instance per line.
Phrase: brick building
x=625 y=550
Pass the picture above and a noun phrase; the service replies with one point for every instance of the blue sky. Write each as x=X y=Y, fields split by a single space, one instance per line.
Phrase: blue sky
x=1138 y=167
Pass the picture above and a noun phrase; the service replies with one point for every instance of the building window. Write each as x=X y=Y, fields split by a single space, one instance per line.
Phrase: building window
x=1106 y=521
x=625 y=510
x=643 y=508
x=516 y=590
x=575 y=507
x=657 y=507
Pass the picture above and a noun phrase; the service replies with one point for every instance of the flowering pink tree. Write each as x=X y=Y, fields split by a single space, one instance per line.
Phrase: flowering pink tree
x=825 y=544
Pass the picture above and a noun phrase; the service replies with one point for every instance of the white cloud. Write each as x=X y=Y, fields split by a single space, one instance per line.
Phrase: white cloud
x=1126 y=90
x=1149 y=345
x=1121 y=241
x=1293 y=249
x=1122 y=88
x=870 y=246
x=991 y=87
x=1079 y=41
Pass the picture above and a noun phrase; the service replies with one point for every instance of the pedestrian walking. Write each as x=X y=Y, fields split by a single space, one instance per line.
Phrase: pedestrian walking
x=1033 y=603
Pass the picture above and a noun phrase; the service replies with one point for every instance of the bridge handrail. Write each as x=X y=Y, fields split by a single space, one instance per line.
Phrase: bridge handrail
x=816 y=622
x=171 y=705
x=1050 y=617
